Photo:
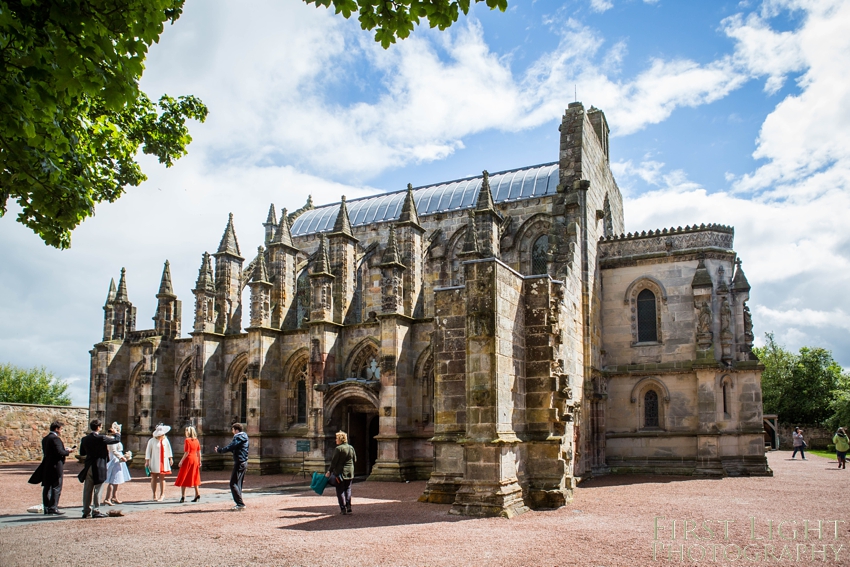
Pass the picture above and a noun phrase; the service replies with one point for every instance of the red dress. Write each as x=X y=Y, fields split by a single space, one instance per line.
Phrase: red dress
x=190 y=470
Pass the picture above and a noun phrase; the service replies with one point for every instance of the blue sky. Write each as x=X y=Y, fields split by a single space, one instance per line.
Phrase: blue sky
x=729 y=112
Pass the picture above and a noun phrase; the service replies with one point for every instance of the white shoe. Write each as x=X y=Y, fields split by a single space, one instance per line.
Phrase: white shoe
x=237 y=508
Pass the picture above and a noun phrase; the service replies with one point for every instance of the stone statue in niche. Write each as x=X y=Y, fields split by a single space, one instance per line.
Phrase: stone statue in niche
x=725 y=317
x=748 y=326
x=705 y=318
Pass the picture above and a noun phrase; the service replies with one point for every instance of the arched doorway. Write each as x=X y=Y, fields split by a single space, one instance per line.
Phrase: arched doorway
x=358 y=416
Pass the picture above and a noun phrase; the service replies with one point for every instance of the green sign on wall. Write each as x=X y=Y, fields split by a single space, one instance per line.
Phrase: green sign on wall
x=302 y=446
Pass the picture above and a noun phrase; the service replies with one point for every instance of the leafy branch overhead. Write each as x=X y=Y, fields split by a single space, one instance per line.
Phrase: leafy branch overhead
x=72 y=116
x=396 y=19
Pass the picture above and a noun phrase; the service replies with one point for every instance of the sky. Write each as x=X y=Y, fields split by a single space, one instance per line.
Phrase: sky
x=727 y=112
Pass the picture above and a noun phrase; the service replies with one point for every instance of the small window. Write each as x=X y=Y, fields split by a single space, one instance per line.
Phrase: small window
x=647 y=321
x=242 y=391
x=302 y=402
x=650 y=409
x=726 y=399
x=539 y=256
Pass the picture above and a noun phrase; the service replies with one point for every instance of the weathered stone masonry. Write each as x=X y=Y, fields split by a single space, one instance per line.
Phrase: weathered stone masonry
x=491 y=335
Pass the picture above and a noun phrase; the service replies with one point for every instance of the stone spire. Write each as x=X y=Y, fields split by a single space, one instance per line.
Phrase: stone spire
x=260 y=273
x=391 y=255
x=701 y=276
x=110 y=297
x=270 y=224
x=408 y=209
x=283 y=234
x=121 y=295
x=165 y=284
x=323 y=263
x=229 y=244
x=342 y=223
x=485 y=198
x=206 y=279
x=739 y=282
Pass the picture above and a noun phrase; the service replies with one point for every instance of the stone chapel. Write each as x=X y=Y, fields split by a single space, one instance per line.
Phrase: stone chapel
x=498 y=336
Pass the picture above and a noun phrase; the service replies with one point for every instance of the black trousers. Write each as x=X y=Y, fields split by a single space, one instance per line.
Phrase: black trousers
x=50 y=496
x=236 y=478
x=343 y=494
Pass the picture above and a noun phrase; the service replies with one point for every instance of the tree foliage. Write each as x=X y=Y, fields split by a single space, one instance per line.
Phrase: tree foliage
x=32 y=386
x=397 y=18
x=72 y=116
x=800 y=388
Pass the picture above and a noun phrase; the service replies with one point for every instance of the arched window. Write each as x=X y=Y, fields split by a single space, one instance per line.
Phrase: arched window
x=302 y=401
x=727 y=408
x=647 y=322
x=539 y=256
x=240 y=414
x=302 y=299
x=185 y=406
x=364 y=364
x=650 y=409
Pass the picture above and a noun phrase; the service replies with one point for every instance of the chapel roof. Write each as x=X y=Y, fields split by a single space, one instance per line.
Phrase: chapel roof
x=460 y=194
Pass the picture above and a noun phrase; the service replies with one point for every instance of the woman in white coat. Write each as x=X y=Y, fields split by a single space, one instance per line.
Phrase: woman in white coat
x=158 y=459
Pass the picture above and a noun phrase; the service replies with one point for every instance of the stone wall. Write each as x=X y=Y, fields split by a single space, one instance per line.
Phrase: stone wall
x=815 y=437
x=23 y=425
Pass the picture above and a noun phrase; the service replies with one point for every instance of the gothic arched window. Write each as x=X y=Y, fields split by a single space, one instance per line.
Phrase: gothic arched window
x=650 y=409
x=302 y=402
x=647 y=322
x=539 y=256
x=241 y=405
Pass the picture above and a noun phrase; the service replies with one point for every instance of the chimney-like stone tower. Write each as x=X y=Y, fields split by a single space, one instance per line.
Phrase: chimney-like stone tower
x=168 y=307
x=342 y=264
x=204 y=291
x=321 y=285
x=409 y=235
x=109 y=312
x=260 y=293
x=124 y=314
x=282 y=271
x=228 y=282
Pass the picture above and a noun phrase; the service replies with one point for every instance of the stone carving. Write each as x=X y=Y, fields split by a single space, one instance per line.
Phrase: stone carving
x=704 y=236
x=705 y=318
x=725 y=318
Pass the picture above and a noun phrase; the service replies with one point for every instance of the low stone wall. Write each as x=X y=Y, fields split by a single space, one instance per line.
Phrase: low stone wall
x=23 y=425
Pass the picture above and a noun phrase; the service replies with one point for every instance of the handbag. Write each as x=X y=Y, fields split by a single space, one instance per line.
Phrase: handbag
x=333 y=480
x=805 y=445
x=147 y=470
x=318 y=483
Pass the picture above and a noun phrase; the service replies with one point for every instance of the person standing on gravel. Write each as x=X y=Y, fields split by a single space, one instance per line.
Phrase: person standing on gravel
x=239 y=448
x=342 y=467
x=94 y=448
x=799 y=443
x=52 y=468
x=842 y=445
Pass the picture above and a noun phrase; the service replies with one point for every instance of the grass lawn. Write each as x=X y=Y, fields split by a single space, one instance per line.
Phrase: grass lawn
x=820 y=453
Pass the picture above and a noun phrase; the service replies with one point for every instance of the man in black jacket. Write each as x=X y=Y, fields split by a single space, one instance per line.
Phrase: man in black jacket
x=52 y=468
x=93 y=448
x=239 y=448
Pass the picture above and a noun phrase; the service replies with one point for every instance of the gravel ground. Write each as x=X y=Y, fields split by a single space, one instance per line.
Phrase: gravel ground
x=611 y=522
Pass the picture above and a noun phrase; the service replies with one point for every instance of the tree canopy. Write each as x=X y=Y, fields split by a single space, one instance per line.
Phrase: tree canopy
x=32 y=386
x=803 y=388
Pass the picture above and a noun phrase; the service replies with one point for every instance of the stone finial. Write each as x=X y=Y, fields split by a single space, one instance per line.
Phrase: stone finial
x=121 y=295
x=260 y=272
x=206 y=278
x=485 y=197
x=110 y=297
x=165 y=283
x=739 y=281
x=470 y=243
x=391 y=255
x=229 y=244
x=701 y=276
x=408 y=209
x=342 y=223
x=272 y=218
x=323 y=264
x=283 y=234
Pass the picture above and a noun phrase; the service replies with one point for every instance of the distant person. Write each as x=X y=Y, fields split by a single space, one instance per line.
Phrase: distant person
x=239 y=448
x=117 y=472
x=52 y=468
x=94 y=447
x=342 y=466
x=842 y=445
x=158 y=459
x=799 y=443
x=190 y=465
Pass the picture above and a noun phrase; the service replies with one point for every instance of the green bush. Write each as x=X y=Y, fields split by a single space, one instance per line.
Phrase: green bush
x=32 y=386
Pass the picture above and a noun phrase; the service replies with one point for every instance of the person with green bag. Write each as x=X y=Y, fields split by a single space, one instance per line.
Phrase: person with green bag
x=842 y=445
x=342 y=469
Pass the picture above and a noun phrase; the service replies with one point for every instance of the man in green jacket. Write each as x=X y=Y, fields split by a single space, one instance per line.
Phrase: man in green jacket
x=342 y=466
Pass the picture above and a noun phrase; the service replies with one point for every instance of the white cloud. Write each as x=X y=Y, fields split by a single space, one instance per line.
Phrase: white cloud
x=601 y=5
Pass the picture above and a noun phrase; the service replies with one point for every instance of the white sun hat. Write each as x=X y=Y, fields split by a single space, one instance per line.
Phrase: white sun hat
x=161 y=430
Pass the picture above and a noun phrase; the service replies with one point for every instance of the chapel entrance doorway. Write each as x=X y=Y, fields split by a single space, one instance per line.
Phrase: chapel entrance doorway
x=359 y=418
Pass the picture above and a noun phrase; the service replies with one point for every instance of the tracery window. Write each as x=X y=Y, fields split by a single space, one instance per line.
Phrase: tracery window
x=365 y=364
x=650 y=409
x=302 y=401
x=185 y=395
x=428 y=391
x=647 y=322
x=539 y=256
x=240 y=414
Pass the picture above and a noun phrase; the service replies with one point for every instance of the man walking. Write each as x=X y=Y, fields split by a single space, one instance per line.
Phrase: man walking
x=52 y=468
x=94 y=448
x=342 y=467
x=239 y=448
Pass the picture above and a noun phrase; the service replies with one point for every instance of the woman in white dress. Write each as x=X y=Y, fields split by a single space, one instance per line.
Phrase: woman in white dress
x=116 y=469
x=158 y=459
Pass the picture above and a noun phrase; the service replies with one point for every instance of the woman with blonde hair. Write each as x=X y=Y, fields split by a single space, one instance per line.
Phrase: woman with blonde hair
x=116 y=469
x=342 y=469
x=190 y=465
x=158 y=459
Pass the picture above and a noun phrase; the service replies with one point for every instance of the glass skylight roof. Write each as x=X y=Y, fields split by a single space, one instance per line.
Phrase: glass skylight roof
x=506 y=186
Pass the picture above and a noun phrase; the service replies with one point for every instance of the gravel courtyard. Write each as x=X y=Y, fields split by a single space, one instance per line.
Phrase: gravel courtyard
x=798 y=517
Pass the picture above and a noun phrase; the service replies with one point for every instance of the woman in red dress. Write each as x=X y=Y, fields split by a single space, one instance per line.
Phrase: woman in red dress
x=190 y=465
